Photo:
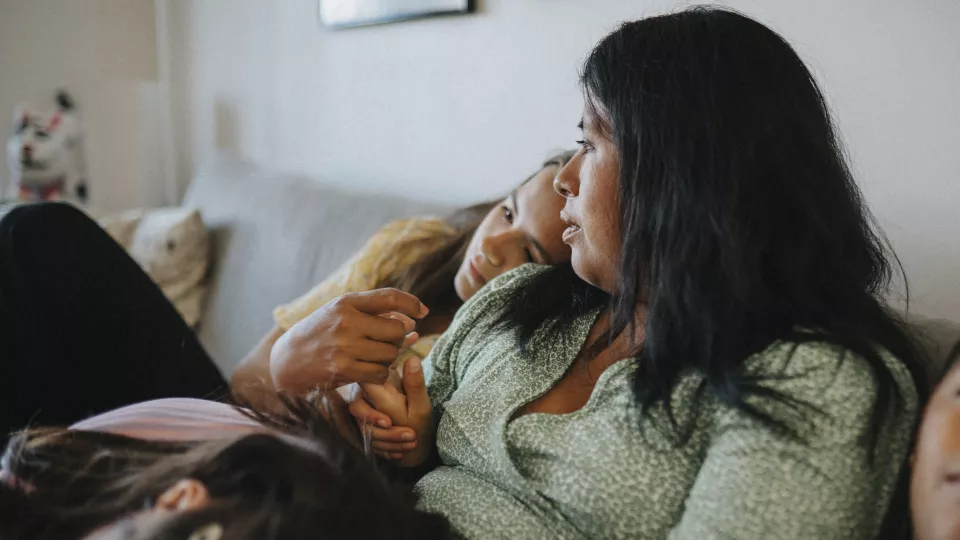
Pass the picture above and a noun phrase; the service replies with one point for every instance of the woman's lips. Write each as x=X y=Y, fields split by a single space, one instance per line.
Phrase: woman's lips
x=572 y=226
x=569 y=233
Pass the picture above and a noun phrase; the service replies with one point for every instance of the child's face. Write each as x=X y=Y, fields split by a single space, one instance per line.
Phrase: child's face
x=935 y=485
x=526 y=227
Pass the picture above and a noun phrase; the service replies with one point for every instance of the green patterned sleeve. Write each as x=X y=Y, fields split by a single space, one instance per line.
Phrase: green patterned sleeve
x=827 y=482
x=440 y=366
x=450 y=356
x=438 y=371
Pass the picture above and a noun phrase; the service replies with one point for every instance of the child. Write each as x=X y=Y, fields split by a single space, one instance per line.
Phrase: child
x=290 y=476
x=935 y=483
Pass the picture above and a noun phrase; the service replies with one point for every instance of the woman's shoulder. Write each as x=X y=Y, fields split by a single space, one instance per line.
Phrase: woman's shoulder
x=518 y=277
x=825 y=361
x=471 y=329
x=476 y=314
x=499 y=290
x=834 y=380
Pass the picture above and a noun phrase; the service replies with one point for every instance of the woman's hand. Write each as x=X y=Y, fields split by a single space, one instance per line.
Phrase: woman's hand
x=410 y=439
x=353 y=338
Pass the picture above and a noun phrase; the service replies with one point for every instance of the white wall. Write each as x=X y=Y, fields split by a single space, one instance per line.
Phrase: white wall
x=103 y=52
x=459 y=109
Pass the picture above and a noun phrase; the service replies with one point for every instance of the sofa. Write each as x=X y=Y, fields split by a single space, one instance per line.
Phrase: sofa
x=276 y=235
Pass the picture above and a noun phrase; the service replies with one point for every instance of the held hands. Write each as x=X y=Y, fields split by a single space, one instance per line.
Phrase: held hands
x=404 y=417
x=353 y=338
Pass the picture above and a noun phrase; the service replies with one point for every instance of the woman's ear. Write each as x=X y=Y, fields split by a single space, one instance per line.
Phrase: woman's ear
x=187 y=494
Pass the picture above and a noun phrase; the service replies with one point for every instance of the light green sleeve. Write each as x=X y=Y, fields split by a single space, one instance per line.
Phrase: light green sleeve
x=439 y=367
x=758 y=483
x=451 y=356
x=438 y=371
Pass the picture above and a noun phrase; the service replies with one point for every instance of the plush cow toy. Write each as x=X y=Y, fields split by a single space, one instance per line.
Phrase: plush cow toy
x=44 y=154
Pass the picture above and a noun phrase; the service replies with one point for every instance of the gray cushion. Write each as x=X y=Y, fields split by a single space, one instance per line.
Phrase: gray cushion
x=274 y=237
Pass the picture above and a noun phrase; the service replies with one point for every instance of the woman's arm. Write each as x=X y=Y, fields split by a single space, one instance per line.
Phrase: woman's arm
x=353 y=338
x=397 y=245
x=251 y=381
x=830 y=481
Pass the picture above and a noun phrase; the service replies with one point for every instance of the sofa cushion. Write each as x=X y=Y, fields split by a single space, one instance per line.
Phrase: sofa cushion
x=274 y=237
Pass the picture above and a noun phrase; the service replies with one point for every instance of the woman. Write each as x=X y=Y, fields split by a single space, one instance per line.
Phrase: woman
x=935 y=464
x=83 y=330
x=287 y=477
x=719 y=363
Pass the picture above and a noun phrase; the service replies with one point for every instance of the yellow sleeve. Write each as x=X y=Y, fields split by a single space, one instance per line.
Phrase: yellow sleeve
x=380 y=257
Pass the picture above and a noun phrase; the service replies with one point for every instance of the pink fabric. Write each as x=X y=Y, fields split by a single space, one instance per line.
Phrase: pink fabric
x=173 y=419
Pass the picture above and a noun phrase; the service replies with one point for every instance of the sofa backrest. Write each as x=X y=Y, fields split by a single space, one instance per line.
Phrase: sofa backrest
x=274 y=237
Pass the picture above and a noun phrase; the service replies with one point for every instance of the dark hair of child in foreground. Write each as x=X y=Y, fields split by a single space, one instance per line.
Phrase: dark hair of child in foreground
x=298 y=478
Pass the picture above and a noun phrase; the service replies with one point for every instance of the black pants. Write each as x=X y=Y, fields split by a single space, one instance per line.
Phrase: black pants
x=82 y=328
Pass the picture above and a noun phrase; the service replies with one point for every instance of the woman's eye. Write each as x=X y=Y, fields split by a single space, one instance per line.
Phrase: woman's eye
x=507 y=214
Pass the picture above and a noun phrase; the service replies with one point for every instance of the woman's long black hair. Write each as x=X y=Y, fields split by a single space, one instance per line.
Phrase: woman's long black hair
x=741 y=222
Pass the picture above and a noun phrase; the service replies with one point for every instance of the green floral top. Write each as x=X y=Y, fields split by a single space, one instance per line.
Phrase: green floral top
x=599 y=473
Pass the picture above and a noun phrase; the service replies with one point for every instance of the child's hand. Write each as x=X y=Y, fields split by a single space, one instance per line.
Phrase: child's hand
x=409 y=409
x=387 y=441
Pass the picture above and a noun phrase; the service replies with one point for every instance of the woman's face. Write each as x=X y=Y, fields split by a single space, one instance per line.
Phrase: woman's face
x=590 y=184
x=526 y=227
x=935 y=482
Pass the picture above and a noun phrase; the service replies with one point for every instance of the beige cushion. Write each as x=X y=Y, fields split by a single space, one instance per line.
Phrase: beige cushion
x=172 y=246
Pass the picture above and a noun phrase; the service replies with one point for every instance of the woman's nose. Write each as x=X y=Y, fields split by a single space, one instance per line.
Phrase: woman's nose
x=567 y=181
